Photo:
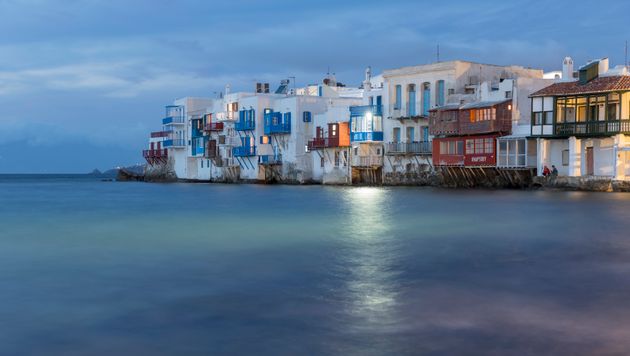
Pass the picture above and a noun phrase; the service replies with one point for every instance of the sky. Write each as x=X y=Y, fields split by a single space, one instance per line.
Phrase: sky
x=83 y=82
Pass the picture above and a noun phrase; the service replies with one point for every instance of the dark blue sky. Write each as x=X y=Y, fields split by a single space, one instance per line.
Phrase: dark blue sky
x=83 y=82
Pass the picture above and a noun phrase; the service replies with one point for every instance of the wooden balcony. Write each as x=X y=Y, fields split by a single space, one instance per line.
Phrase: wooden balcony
x=592 y=128
x=213 y=126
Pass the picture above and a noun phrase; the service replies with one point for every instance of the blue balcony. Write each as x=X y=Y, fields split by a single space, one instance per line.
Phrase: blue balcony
x=277 y=123
x=246 y=120
x=172 y=120
x=366 y=123
x=375 y=110
x=366 y=136
x=174 y=143
x=271 y=160
x=244 y=151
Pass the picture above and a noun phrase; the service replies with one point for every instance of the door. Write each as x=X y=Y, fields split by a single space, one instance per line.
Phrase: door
x=426 y=99
x=589 y=161
x=411 y=107
x=410 y=134
x=425 y=133
x=396 y=134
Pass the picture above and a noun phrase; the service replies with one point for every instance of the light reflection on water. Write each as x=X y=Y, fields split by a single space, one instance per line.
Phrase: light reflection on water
x=370 y=256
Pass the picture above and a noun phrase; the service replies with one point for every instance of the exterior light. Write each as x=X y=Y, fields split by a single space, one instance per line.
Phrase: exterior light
x=510 y=107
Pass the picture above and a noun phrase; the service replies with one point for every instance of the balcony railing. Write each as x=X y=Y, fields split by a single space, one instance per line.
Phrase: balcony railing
x=399 y=113
x=159 y=134
x=366 y=136
x=270 y=160
x=244 y=151
x=173 y=120
x=174 y=143
x=214 y=126
x=245 y=125
x=376 y=110
x=323 y=142
x=415 y=148
x=592 y=128
x=367 y=161
x=279 y=128
x=161 y=153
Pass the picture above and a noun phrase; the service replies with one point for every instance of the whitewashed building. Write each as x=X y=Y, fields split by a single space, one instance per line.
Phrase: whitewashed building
x=583 y=125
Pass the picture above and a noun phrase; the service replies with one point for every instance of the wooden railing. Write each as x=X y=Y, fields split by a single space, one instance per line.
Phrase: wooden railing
x=367 y=161
x=588 y=128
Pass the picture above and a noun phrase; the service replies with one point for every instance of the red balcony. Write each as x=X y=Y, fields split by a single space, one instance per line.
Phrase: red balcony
x=159 y=134
x=154 y=157
x=214 y=126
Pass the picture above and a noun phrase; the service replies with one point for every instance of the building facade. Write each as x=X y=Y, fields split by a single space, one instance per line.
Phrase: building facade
x=582 y=125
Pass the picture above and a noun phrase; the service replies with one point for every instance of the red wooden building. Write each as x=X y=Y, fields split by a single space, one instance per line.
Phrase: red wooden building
x=467 y=135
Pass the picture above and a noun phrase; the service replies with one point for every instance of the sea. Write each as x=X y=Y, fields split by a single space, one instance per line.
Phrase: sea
x=94 y=267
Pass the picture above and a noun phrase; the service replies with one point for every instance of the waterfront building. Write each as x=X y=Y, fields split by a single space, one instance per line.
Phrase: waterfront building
x=484 y=120
x=248 y=136
x=582 y=124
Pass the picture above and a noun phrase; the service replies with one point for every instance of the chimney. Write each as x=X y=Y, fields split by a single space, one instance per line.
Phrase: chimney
x=367 y=84
x=603 y=66
x=567 y=69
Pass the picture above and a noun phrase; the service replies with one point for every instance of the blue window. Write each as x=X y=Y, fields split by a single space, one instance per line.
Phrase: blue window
x=426 y=98
x=398 y=97
x=440 y=93
x=307 y=116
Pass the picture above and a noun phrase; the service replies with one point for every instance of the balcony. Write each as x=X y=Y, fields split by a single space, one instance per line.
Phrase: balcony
x=375 y=110
x=173 y=120
x=366 y=136
x=367 y=161
x=271 y=160
x=155 y=156
x=277 y=123
x=159 y=134
x=409 y=148
x=398 y=113
x=174 y=143
x=244 y=151
x=214 y=126
x=592 y=128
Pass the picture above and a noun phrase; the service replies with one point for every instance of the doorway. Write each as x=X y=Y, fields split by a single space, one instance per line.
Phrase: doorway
x=589 y=162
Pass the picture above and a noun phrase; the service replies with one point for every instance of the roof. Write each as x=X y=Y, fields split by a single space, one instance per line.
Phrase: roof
x=597 y=85
x=484 y=104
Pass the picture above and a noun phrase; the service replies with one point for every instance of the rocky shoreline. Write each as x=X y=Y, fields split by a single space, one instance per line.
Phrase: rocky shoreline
x=452 y=177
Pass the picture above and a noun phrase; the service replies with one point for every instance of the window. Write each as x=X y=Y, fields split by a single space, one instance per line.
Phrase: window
x=489 y=146
x=307 y=116
x=565 y=157
x=321 y=162
x=336 y=159
x=378 y=151
x=264 y=140
x=538 y=118
x=451 y=91
x=201 y=163
x=345 y=158
x=508 y=94
x=398 y=103
x=548 y=115
x=356 y=151
x=440 y=93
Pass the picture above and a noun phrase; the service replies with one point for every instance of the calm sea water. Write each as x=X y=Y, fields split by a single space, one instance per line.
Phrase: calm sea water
x=104 y=268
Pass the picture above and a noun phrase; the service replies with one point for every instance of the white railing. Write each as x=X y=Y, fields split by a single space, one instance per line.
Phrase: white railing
x=367 y=161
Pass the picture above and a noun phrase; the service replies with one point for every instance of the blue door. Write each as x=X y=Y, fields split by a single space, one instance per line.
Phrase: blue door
x=410 y=134
x=398 y=97
x=426 y=99
x=425 y=133
x=412 y=103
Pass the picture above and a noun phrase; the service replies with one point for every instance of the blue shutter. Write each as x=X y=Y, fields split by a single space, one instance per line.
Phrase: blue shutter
x=398 y=96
